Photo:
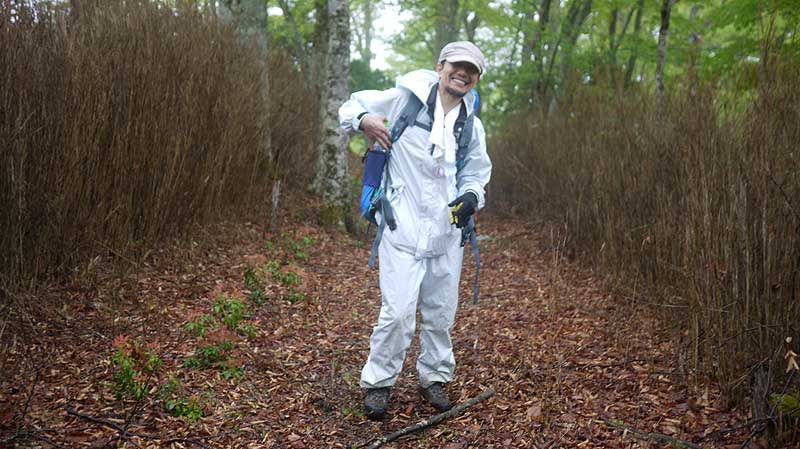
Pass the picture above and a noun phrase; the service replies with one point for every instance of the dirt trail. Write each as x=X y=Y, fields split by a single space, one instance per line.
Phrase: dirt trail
x=562 y=355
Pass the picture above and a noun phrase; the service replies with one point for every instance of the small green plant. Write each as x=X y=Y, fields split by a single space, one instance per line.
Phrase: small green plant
x=295 y=297
x=216 y=356
x=209 y=356
x=290 y=278
x=250 y=279
x=251 y=283
x=249 y=330
x=273 y=267
x=353 y=411
x=200 y=325
x=184 y=408
x=788 y=403
x=300 y=251
x=269 y=245
x=232 y=371
x=297 y=248
x=135 y=365
x=173 y=397
x=230 y=310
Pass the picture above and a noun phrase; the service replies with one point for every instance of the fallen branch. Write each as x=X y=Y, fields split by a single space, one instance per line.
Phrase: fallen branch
x=659 y=438
x=21 y=424
x=121 y=431
x=126 y=435
x=433 y=420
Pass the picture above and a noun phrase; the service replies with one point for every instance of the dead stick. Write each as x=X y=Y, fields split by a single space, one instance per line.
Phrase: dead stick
x=121 y=432
x=126 y=434
x=433 y=420
x=654 y=436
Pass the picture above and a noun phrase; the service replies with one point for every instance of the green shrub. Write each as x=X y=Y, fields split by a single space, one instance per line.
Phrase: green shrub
x=174 y=400
x=210 y=356
x=184 y=408
x=295 y=297
x=200 y=325
x=231 y=311
x=134 y=366
x=252 y=284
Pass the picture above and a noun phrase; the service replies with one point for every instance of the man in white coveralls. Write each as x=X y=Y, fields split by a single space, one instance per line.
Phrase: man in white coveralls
x=432 y=197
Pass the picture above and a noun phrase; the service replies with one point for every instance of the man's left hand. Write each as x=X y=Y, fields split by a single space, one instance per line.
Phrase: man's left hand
x=462 y=208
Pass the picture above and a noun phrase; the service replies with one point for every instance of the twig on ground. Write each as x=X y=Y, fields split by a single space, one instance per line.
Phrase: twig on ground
x=126 y=435
x=651 y=436
x=194 y=441
x=5 y=320
x=21 y=424
x=123 y=433
x=44 y=439
x=136 y=405
x=433 y=420
x=28 y=399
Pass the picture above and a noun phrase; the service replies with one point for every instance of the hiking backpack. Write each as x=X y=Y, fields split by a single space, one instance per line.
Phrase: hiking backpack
x=374 y=186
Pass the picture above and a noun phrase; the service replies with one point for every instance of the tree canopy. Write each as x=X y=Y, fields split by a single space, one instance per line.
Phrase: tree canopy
x=536 y=48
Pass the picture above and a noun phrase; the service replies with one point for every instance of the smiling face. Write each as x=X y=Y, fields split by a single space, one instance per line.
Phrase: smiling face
x=457 y=78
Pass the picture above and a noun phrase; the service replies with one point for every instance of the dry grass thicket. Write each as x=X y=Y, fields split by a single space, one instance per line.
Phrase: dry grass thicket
x=128 y=124
x=699 y=209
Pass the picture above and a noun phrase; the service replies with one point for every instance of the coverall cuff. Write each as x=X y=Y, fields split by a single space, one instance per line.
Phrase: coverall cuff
x=357 y=121
x=478 y=196
x=433 y=378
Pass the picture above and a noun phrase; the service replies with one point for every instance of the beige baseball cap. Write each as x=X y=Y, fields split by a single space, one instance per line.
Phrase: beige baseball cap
x=463 y=51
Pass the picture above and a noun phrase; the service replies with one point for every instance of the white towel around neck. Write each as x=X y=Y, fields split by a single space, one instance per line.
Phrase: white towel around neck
x=442 y=138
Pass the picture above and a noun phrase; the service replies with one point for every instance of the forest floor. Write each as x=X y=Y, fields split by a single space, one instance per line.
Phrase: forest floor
x=216 y=365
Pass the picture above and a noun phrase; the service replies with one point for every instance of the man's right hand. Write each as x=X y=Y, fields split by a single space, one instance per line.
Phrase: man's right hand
x=373 y=127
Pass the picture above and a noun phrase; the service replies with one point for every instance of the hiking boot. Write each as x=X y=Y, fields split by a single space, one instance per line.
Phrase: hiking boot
x=436 y=395
x=376 y=401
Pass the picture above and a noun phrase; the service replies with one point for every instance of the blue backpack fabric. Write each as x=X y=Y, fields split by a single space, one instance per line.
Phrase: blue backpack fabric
x=374 y=186
x=374 y=163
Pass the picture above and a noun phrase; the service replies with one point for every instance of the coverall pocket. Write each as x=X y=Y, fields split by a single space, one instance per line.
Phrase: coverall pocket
x=395 y=190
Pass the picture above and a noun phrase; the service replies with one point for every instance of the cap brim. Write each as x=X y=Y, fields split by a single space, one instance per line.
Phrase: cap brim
x=468 y=59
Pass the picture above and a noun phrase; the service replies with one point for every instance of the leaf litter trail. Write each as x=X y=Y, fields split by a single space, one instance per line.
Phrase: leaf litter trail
x=562 y=355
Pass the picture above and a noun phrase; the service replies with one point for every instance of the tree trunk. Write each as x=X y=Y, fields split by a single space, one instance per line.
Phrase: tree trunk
x=331 y=171
x=666 y=9
x=471 y=25
x=74 y=12
x=446 y=29
x=228 y=12
x=694 y=52
x=297 y=40
x=538 y=49
x=637 y=27
x=578 y=12
x=320 y=45
x=526 y=25
x=612 y=50
x=366 y=49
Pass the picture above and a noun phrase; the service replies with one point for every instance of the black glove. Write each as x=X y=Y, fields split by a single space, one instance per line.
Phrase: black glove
x=462 y=208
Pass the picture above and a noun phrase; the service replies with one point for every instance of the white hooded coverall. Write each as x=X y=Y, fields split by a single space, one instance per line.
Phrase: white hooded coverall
x=421 y=258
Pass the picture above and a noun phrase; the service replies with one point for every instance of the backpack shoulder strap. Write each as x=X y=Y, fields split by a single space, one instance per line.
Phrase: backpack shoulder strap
x=463 y=133
x=430 y=103
x=407 y=117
